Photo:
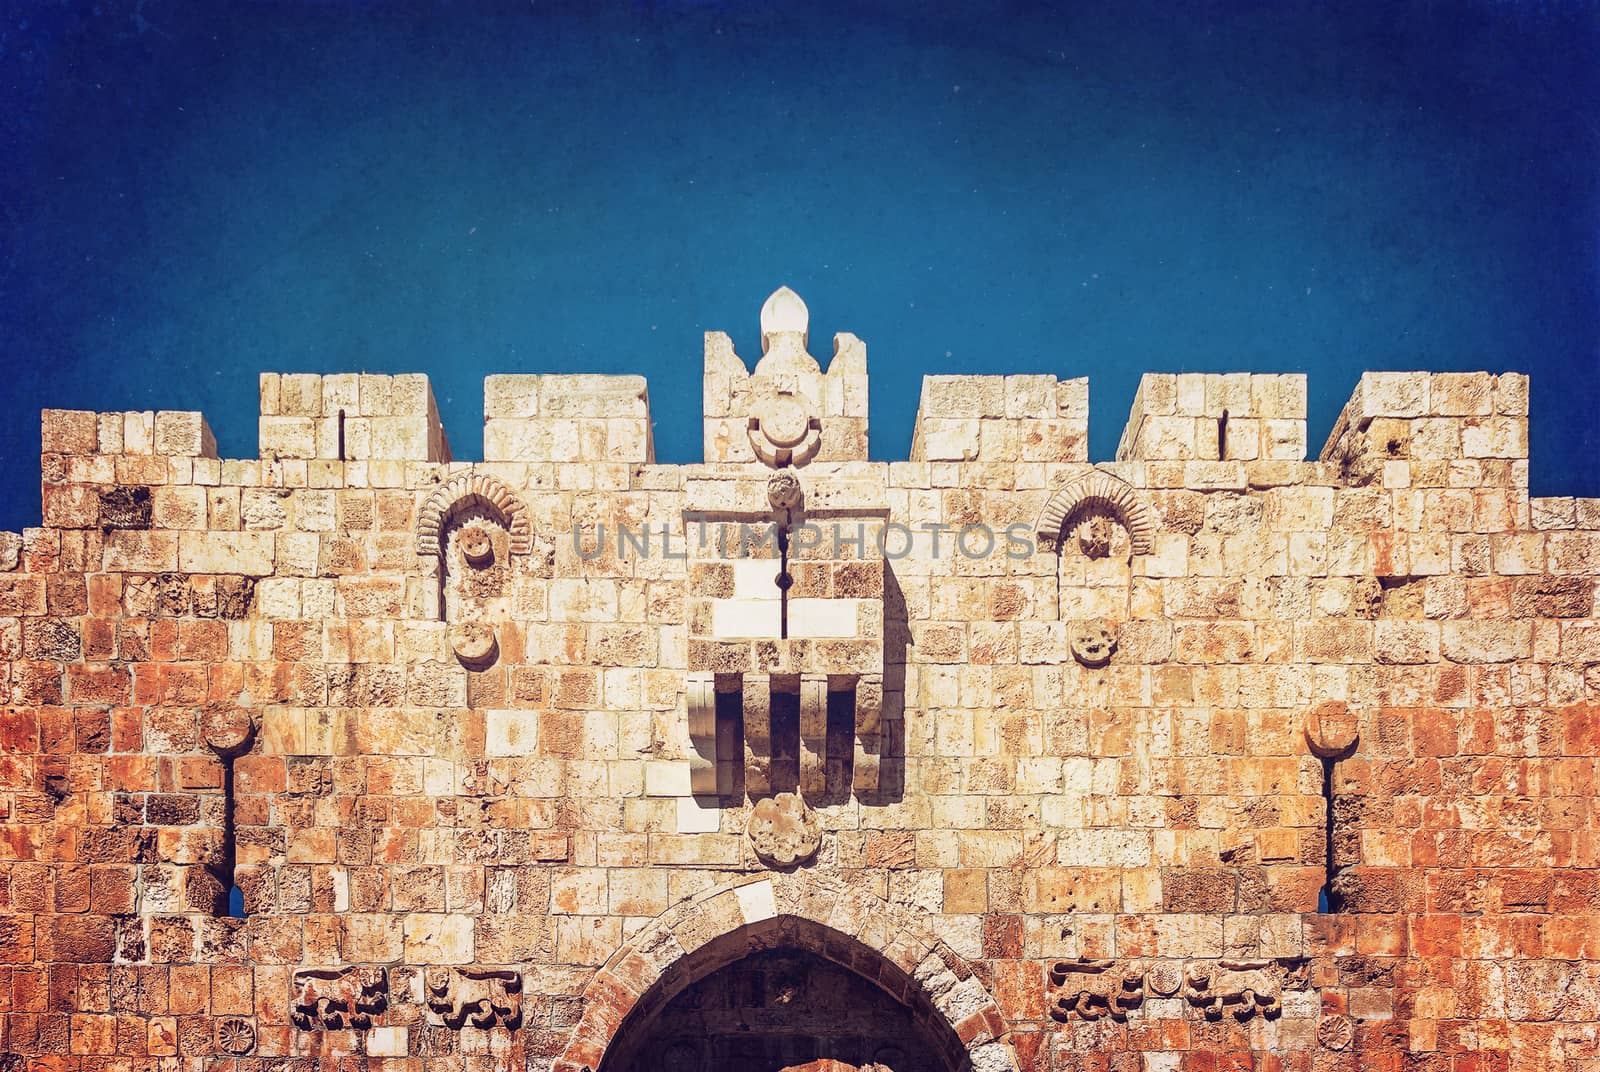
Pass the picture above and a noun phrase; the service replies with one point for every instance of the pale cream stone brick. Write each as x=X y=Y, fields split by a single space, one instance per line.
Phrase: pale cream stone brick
x=248 y=553
x=946 y=440
x=300 y=395
x=374 y=396
x=288 y=437
x=138 y=432
x=1394 y=394
x=269 y=388
x=438 y=938
x=511 y=733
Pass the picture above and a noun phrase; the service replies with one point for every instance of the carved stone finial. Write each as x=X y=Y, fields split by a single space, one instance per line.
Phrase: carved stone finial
x=784 y=491
x=784 y=830
x=784 y=313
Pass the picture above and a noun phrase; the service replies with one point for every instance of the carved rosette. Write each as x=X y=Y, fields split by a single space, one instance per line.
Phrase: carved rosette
x=235 y=1036
x=1336 y=1032
x=784 y=830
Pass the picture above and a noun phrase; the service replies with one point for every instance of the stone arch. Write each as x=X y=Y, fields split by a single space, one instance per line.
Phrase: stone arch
x=463 y=492
x=855 y=930
x=1100 y=489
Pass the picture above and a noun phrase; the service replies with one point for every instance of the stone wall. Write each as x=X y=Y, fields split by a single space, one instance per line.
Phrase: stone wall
x=493 y=796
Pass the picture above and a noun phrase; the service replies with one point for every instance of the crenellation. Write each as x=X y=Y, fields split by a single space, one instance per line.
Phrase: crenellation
x=1202 y=417
x=1207 y=753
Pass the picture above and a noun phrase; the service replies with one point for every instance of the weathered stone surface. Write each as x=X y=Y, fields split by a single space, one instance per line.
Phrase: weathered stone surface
x=784 y=830
x=480 y=787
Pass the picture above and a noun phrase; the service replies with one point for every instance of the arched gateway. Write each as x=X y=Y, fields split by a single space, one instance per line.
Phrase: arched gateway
x=953 y=1016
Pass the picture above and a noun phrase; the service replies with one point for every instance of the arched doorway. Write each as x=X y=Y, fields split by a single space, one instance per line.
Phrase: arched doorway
x=733 y=962
x=775 y=1009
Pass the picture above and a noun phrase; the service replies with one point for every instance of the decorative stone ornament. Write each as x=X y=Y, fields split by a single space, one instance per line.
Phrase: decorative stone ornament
x=1336 y=1032
x=228 y=731
x=1164 y=980
x=474 y=643
x=332 y=999
x=784 y=830
x=1332 y=729
x=474 y=997
x=783 y=430
x=784 y=491
x=477 y=547
x=1244 y=986
x=1093 y=644
x=1095 y=497
x=235 y=1036
x=1093 y=990
x=1094 y=536
x=465 y=492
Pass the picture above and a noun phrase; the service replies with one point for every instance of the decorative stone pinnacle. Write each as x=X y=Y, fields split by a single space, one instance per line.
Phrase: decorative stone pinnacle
x=784 y=314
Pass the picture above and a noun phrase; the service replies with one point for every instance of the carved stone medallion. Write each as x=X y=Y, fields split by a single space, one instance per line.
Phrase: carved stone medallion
x=1093 y=644
x=784 y=491
x=235 y=1036
x=784 y=830
x=1164 y=980
x=1336 y=1032
x=1094 y=536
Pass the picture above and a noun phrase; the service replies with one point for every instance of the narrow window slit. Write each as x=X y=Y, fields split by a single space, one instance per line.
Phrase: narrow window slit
x=341 y=436
x=1328 y=898
x=1222 y=437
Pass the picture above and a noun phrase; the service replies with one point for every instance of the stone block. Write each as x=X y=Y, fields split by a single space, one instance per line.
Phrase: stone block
x=67 y=431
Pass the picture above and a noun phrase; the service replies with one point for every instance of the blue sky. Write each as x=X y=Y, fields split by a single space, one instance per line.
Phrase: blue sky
x=195 y=194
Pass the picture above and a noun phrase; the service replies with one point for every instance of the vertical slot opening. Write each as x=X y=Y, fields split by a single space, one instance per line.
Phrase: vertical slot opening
x=1222 y=437
x=1328 y=898
x=341 y=436
x=785 y=769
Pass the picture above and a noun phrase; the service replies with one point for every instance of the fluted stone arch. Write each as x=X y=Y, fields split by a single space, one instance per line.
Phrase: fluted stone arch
x=463 y=492
x=1099 y=489
x=854 y=930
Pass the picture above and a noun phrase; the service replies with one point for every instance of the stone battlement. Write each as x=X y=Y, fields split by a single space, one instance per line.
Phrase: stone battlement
x=1211 y=755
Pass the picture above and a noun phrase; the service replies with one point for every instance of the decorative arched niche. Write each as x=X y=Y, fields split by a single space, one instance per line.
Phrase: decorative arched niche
x=1087 y=514
x=470 y=527
x=468 y=493
x=758 y=915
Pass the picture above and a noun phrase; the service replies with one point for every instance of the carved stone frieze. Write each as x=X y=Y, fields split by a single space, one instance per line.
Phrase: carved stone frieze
x=333 y=999
x=1244 y=986
x=1095 y=988
x=474 y=997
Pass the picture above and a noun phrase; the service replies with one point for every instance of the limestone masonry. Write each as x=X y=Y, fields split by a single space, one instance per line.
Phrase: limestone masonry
x=355 y=757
